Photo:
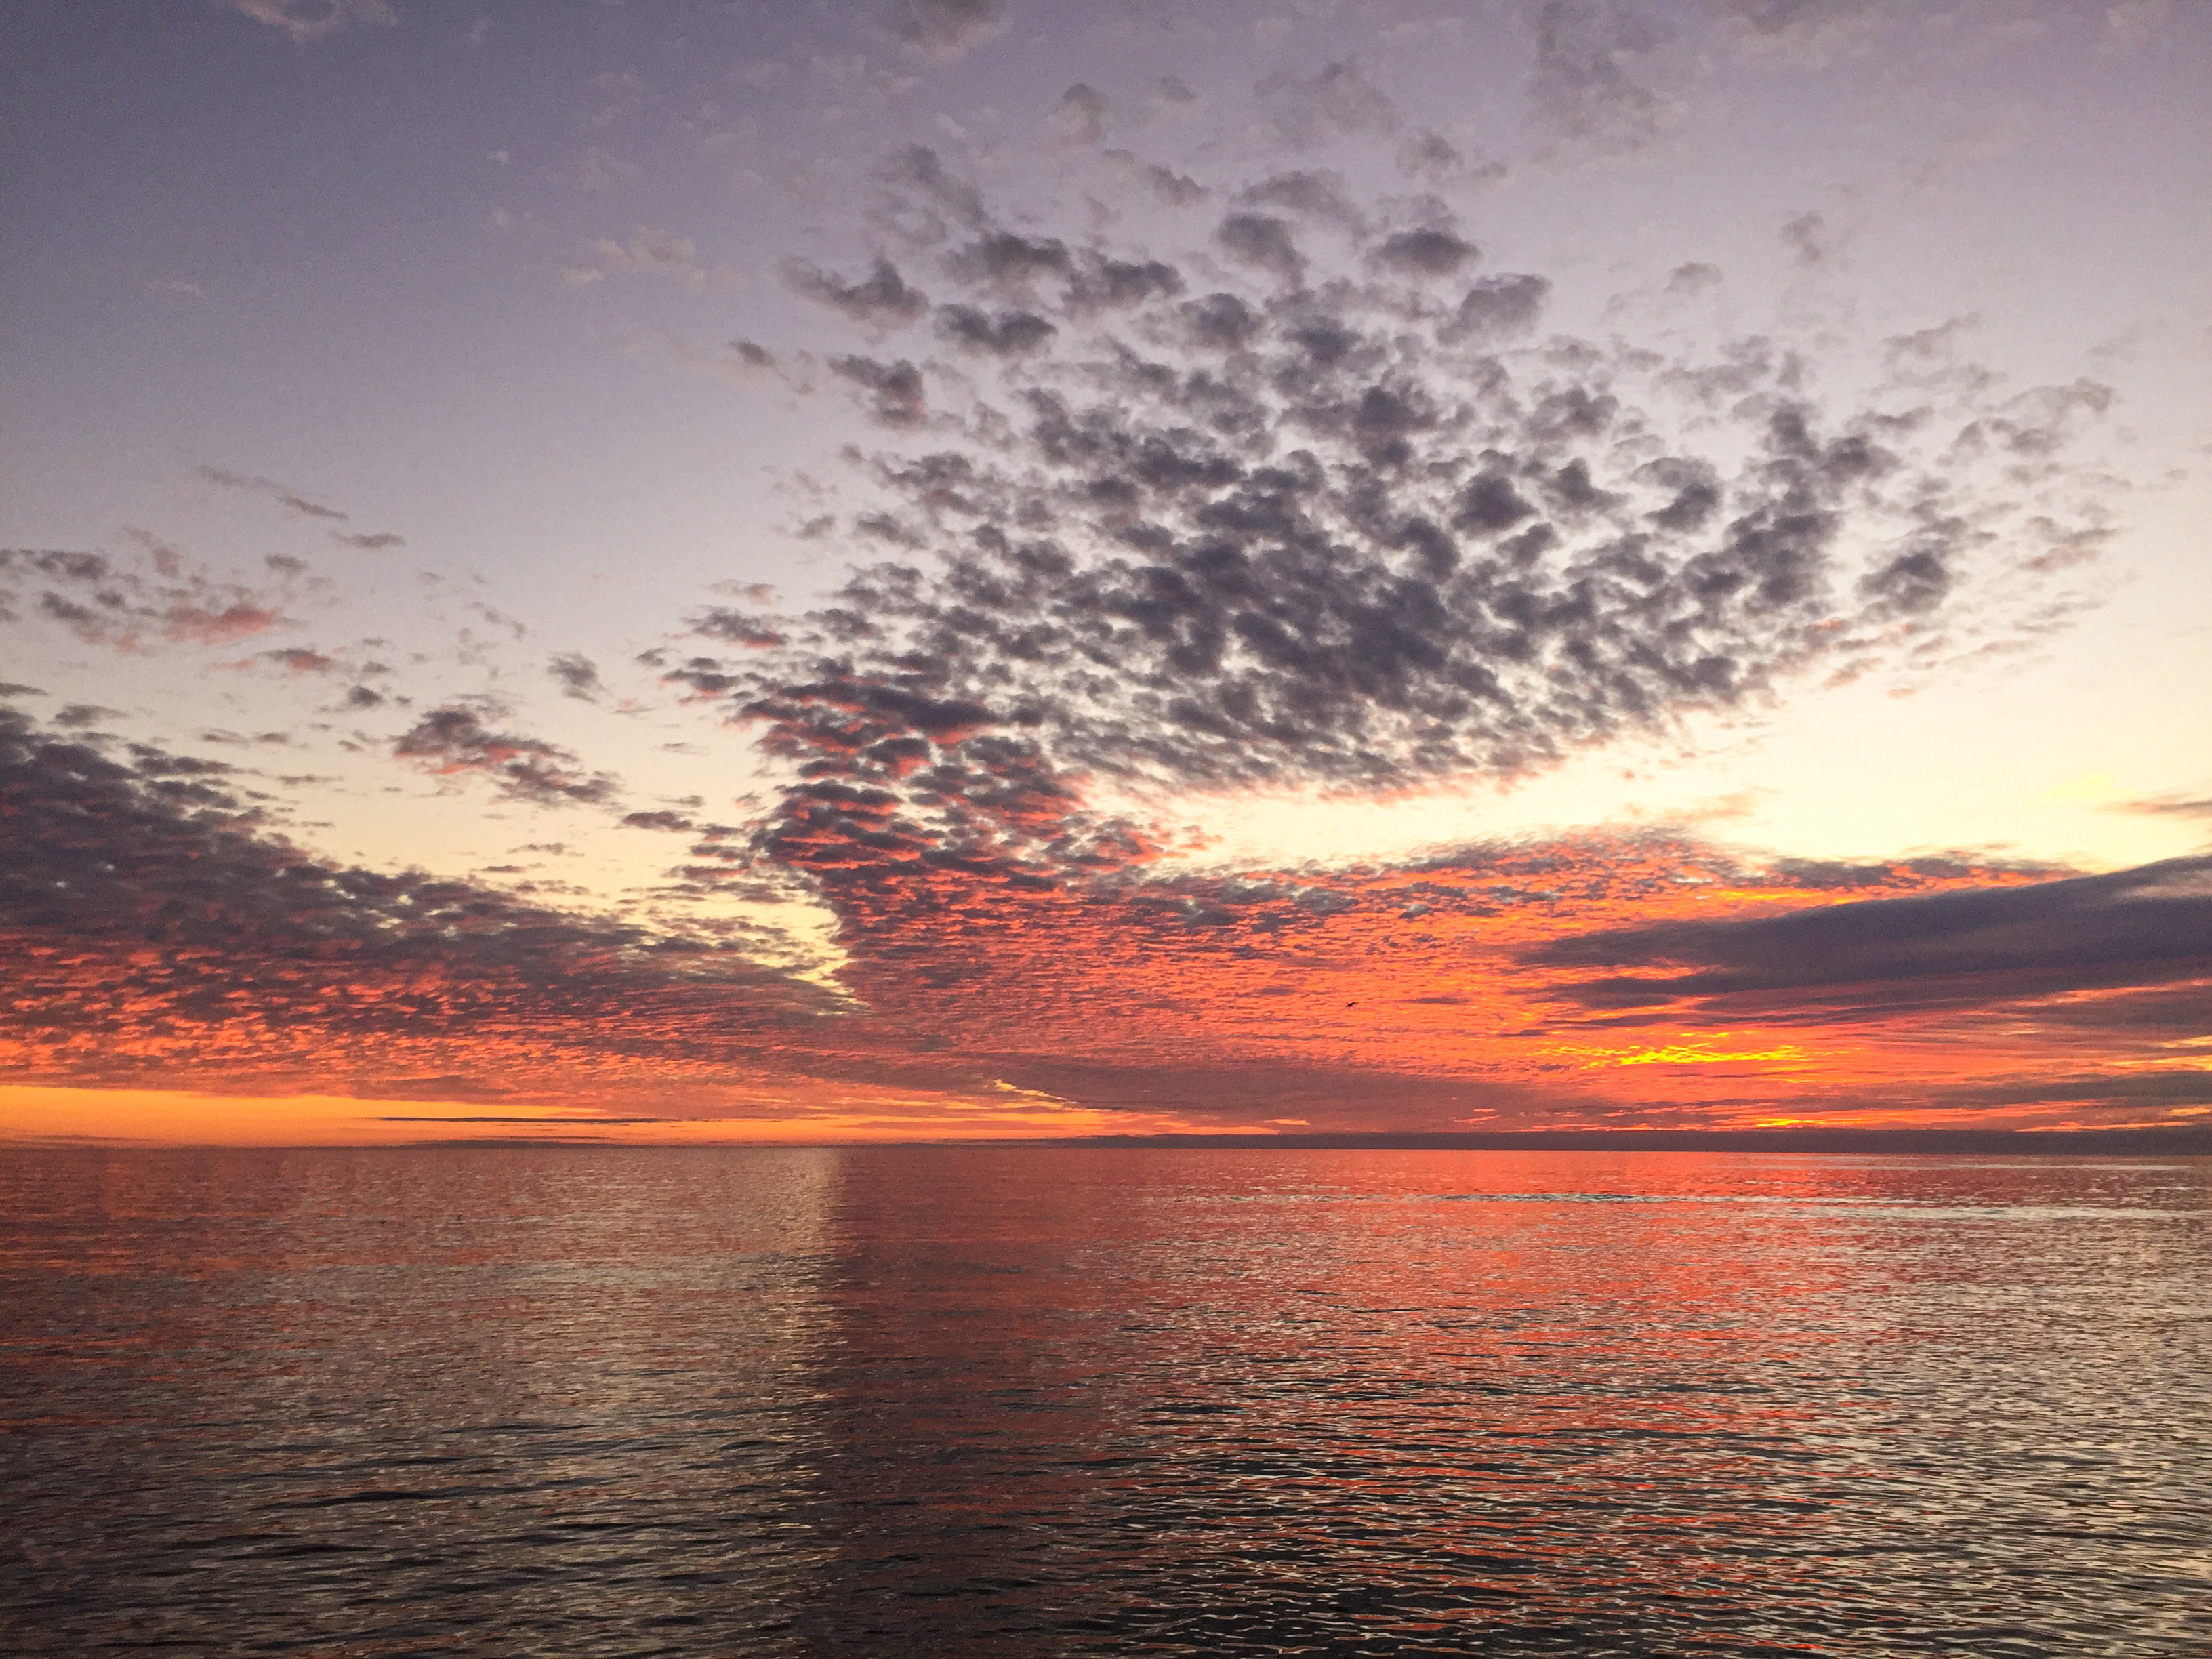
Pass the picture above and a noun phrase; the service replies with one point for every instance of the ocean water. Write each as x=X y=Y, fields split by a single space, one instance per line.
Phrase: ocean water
x=1034 y=1400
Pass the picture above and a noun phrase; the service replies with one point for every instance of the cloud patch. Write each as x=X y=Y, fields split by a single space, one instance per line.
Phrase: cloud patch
x=644 y=252
x=290 y=500
x=881 y=301
x=1338 y=102
x=577 y=676
x=302 y=507
x=153 y=929
x=897 y=395
x=454 y=741
x=1079 y=118
x=1162 y=183
x=944 y=31
x=2173 y=806
x=306 y=22
x=2146 y=926
x=1008 y=334
x=1349 y=521
x=103 y=603
x=1585 y=89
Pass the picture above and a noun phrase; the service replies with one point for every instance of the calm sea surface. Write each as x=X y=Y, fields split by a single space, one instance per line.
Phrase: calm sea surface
x=1037 y=1400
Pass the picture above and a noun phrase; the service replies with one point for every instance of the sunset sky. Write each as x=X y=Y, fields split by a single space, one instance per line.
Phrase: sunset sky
x=933 y=568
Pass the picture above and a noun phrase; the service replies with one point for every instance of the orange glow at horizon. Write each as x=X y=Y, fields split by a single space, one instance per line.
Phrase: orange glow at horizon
x=1338 y=1000
x=159 y=1117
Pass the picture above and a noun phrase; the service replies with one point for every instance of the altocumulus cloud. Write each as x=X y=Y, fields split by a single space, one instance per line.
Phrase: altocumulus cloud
x=1350 y=519
x=455 y=741
x=106 y=603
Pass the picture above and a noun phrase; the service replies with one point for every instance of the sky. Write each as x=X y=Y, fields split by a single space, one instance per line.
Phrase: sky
x=945 y=568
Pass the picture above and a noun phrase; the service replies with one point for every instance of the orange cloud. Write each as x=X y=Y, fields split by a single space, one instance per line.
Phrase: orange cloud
x=158 y=945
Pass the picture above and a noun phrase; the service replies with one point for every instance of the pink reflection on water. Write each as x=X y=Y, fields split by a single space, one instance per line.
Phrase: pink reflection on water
x=1060 y=1399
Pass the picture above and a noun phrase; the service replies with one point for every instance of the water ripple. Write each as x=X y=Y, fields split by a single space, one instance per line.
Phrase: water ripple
x=1066 y=1401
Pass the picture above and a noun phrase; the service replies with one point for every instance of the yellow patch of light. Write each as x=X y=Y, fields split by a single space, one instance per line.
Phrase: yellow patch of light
x=1685 y=1053
x=2093 y=788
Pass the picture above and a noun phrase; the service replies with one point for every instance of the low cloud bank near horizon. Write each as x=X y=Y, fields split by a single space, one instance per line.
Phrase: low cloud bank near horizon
x=158 y=936
x=2145 y=927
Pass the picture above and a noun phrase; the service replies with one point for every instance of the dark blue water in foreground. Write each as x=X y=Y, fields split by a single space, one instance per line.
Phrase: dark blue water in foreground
x=1037 y=1400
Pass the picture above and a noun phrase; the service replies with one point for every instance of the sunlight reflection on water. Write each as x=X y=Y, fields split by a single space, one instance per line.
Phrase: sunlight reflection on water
x=1049 y=1400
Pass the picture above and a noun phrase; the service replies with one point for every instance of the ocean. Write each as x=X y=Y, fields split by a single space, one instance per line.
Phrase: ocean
x=1046 y=1400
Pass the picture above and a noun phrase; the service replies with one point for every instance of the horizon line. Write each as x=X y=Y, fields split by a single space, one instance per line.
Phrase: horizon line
x=2153 y=1139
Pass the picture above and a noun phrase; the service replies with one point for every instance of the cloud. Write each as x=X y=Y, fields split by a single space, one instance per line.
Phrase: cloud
x=1308 y=531
x=154 y=933
x=301 y=506
x=2132 y=24
x=102 y=602
x=749 y=359
x=1337 y=102
x=2168 y=807
x=1225 y=995
x=880 y=301
x=737 y=626
x=1008 y=262
x=1424 y=252
x=599 y=169
x=577 y=676
x=1497 y=308
x=261 y=739
x=898 y=397
x=645 y=252
x=1811 y=241
x=1009 y=334
x=947 y=30
x=1098 y=284
x=1692 y=278
x=1307 y=506
x=300 y=659
x=2146 y=926
x=1256 y=239
x=662 y=818
x=309 y=20
x=1584 y=90
x=922 y=199
x=1314 y=195
x=1079 y=118
x=151 y=928
x=1162 y=183
x=454 y=740
x=1432 y=157
x=2159 y=1089
x=290 y=500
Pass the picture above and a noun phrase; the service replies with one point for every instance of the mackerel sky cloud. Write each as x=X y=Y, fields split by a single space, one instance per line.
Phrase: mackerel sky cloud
x=999 y=568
